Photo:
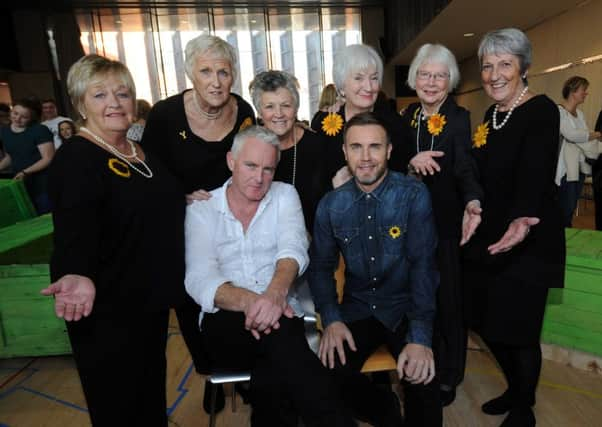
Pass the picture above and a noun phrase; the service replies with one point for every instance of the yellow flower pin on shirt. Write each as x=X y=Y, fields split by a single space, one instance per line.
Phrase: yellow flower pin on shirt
x=436 y=124
x=183 y=134
x=119 y=168
x=245 y=124
x=479 y=138
x=394 y=232
x=332 y=124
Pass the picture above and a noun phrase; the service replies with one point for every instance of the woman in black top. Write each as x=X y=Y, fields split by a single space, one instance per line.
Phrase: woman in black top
x=302 y=161
x=191 y=133
x=438 y=138
x=518 y=251
x=118 y=250
x=357 y=74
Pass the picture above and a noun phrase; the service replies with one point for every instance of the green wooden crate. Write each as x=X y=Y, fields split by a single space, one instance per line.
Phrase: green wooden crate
x=28 y=324
x=14 y=202
x=27 y=242
x=573 y=316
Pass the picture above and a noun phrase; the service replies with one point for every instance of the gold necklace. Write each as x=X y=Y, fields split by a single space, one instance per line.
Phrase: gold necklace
x=208 y=116
x=147 y=174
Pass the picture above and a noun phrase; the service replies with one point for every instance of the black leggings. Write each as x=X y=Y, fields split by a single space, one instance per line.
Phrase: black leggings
x=521 y=366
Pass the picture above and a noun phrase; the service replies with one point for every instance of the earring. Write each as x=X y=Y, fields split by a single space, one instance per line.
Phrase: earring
x=83 y=115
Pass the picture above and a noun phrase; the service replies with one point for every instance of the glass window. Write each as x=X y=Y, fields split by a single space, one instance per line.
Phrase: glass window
x=152 y=42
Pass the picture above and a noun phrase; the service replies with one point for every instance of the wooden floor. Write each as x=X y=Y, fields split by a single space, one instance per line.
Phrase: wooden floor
x=46 y=391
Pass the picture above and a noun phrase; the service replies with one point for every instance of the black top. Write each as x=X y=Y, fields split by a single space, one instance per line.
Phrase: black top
x=126 y=233
x=198 y=164
x=517 y=167
x=336 y=158
x=311 y=180
x=456 y=184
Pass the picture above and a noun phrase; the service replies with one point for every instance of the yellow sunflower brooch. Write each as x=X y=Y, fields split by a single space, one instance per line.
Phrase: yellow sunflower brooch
x=245 y=124
x=332 y=124
x=119 y=167
x=479 y=138
x=436 y=123
x=394 y=232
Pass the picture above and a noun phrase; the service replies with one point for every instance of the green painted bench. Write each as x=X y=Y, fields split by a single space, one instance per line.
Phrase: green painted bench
x=573 y=317
x=15 y=203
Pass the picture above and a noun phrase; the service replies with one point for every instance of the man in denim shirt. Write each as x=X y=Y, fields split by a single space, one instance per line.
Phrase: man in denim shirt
x=382 y=224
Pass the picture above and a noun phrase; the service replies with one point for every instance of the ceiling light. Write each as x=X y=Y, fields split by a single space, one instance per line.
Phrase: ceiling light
x=468 y=34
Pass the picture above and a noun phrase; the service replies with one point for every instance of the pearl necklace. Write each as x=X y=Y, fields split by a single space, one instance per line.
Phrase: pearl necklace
x=133 y=155
x=125 y=158
x=208 y=116
x=501 y=125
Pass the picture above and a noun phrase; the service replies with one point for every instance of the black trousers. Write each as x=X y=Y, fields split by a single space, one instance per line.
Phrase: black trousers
x=287 y=378
x=450 y=332
x=122 y=366
x=188 y=319
x=422 y=407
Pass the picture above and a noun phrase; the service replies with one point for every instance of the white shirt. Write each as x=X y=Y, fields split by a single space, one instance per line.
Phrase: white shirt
x=53 y=125
x=219 y=251
x=574 y=147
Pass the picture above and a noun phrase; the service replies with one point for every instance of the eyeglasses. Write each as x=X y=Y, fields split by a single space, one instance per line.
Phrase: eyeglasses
x=425 y=75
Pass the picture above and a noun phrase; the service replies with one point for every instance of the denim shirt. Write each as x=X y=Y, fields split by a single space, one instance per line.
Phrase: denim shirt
x=388 y=240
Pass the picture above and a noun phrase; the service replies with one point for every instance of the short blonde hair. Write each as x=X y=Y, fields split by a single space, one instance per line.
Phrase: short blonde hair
x=92 y=69
x=206 y=43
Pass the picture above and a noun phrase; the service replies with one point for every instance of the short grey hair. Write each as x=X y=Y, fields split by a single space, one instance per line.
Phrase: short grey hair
x=354 y=58
x=271 y=81
x=507 y=40
x=259 y=132
x=434 y=54
x=205 y=44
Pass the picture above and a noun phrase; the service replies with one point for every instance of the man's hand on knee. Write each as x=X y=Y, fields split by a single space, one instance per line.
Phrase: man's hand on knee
x=332 y=340
x=416 y=364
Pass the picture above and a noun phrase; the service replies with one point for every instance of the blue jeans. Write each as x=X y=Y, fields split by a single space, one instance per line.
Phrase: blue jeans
x=569 y=196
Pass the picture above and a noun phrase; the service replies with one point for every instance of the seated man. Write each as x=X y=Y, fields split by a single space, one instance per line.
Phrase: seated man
x=245 y=246
x=382 y=224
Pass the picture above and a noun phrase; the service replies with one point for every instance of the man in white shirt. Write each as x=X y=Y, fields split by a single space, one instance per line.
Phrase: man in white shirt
x=51 y=119
x=245 y=246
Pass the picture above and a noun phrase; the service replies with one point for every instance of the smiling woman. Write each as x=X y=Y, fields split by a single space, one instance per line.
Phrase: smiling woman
x=114 y=282
x=302 y=163
x=519 y=249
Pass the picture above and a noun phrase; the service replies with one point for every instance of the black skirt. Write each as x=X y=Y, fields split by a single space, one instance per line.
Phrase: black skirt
x=502 y=309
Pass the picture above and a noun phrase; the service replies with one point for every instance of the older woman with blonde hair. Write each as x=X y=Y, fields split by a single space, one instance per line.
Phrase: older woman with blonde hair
x=117 y=264
x=439 y=142
x=192 y=132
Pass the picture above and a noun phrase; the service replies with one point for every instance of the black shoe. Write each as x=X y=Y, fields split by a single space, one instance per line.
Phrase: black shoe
x=498 y=406
x=220 y=400
x=447 y=397
x=519 y=417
